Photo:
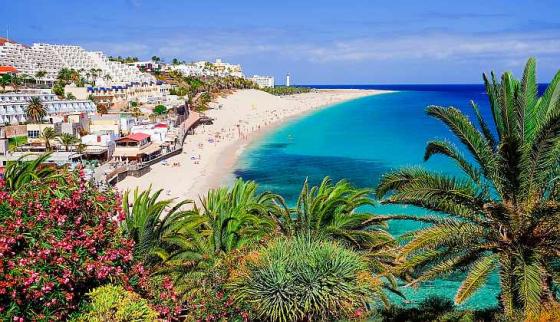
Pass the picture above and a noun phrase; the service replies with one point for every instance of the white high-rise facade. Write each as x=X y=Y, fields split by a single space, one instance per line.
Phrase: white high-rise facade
x=288 y=79
x=52 y=58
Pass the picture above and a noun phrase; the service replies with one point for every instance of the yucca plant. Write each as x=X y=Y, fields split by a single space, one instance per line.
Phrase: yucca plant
x=301 y=279
x=21 y=172
x=503 y=213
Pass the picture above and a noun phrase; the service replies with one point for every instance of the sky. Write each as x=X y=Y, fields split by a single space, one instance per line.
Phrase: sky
x=317 y=42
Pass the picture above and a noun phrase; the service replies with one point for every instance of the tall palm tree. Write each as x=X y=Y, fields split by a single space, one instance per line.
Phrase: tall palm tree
x=503 y=213
x=48 y=135
x=67 y=140
x=35 y=110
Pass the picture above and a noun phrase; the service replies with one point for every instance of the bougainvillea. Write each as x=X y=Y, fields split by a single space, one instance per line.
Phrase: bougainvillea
x=59 y=241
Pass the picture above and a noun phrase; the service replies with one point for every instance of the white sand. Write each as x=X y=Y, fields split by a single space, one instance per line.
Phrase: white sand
x=209 y=155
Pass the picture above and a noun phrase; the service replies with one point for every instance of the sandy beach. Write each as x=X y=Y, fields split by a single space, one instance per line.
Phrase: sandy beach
x=210 y=154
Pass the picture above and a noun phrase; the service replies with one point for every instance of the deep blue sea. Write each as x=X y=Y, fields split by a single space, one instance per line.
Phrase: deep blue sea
x=360 y=140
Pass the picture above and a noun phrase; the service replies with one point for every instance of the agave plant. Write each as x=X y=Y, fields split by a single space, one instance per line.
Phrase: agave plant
x=21 y=172
x=152 y=223
x=503 y=213
x=302 y=279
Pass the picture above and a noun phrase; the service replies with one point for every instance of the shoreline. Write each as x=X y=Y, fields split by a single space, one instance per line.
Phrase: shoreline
x=217 y=158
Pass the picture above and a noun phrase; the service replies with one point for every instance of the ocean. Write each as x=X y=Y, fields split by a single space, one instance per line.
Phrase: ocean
x=359 y=140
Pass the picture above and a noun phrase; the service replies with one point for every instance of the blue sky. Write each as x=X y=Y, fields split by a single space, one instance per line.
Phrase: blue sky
x=318 y=42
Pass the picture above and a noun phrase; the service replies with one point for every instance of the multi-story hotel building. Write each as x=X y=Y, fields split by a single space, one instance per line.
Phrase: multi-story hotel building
x=262 y=81
x=52 y=58
x=13 y=106
x=205 y=68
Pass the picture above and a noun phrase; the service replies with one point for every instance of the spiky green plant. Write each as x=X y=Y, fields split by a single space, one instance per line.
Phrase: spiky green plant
x=302 y=279
x=331 y=211
x=21 y=172
x=228 y=219
x=238 y=215
x=152 y=223
x=503 y=213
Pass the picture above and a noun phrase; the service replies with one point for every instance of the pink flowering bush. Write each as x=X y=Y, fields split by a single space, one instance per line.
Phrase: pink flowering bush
x=60 y=240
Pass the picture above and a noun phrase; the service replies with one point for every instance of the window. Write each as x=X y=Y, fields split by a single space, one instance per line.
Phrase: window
x=33 y=134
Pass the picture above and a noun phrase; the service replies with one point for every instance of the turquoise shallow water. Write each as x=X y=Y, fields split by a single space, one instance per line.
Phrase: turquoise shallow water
x=360 y=140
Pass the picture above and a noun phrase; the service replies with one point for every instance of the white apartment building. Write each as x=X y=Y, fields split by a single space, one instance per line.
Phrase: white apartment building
x=14 y=105
x=205 y=68
x=263 y=81
x=52 y=58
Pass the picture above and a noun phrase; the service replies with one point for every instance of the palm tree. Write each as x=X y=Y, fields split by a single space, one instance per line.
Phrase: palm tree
x=15 y=82
x=151 y=222
x=35 y=110
x=48 y=135
x=239 y=215
x=199 y=241
x=502 y=215
x=67 y=140
x=21 y=172
x=5 y=80
x=40 y=74
x=332 y=212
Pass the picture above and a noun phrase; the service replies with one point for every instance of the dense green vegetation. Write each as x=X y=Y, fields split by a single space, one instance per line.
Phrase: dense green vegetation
x=160 y=109
x=503 y=214
x=199 y=91
x=243 y=254
x=286 y=90
x=124 y=60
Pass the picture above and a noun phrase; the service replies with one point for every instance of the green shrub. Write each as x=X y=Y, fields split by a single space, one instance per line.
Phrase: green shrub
x=160 y=110
x=300 y=279
x=114 y=303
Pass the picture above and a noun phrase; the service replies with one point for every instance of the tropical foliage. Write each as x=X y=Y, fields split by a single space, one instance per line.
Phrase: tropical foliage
x=57 y=241
x=502 y=215
x=35 y=110
x=48 y=135
x=114 y=303
x=22 y=172
x=148 y=221
x=304 y=280
x=286 y=90
x=160 y=110
x=67 y=140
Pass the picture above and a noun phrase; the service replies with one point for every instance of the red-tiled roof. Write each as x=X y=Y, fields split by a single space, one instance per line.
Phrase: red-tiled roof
x=137 y=136
x=160 y=126
x=7 y=69
x=4 y=40
x=134 y=137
